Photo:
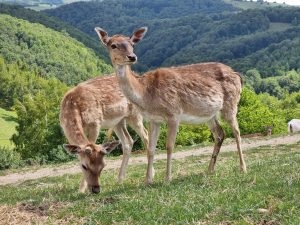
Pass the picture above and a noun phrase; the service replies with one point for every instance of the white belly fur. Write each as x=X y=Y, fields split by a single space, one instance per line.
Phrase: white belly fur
x=106 y=124
x=183 y=118
x=190 y=119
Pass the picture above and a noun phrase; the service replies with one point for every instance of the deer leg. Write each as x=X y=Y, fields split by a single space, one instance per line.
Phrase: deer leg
x=171 y=137
x=92 y=132
x=219 y=137
x=236 y=132
x=127 y=143
x=136 y=123
x=83 y=185
x=153 y=137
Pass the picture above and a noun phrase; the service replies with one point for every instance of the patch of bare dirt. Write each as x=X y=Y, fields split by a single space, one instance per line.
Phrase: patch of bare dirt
x=28 y=214
x=13 y=215
x=114 y=164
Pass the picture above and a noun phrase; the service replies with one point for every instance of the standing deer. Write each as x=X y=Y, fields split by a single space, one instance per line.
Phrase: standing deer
x=189 y=94
x=94 y=104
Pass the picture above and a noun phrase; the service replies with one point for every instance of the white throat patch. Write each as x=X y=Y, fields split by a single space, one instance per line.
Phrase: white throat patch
x=120 y=69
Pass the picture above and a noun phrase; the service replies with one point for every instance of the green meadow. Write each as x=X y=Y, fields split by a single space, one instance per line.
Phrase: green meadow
x=267 y=194
x=7 y=125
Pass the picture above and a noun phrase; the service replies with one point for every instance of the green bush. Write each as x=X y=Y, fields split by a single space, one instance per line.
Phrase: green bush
x=254 y=114
x=9 y=158
x=187 y=135
x=59 y=154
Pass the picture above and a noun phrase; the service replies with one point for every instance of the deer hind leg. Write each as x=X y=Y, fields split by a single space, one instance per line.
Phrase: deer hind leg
x=232 y=120
x=219 y=137
x=153 y=137
x=171 y=138
x=127 y=143
x=136 y=122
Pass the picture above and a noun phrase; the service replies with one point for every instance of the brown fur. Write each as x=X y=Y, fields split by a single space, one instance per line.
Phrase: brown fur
x=94 y=104
x=185 y=94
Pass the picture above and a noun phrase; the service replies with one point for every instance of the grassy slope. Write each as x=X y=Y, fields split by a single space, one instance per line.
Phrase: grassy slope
x=194 y=197
x=7 y=125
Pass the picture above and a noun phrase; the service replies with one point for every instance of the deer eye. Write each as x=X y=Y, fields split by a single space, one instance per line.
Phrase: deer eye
x=84 y=167
x=113 y=46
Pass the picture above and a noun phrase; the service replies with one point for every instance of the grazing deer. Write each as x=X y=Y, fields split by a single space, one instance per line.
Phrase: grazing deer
x=189 y=94
x=94 y=104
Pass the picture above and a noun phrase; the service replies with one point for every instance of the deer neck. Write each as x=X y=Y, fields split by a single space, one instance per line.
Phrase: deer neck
x=130 y=84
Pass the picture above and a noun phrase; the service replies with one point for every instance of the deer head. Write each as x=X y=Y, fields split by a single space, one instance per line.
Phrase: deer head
x=120 y=47
x=92 y=161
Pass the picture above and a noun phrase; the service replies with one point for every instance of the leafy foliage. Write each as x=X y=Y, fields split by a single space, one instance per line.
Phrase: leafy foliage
x=277 y=86
x=38 y=130
x=254 y=115
x=49 y=53
x=36 y=102
x=9 y=158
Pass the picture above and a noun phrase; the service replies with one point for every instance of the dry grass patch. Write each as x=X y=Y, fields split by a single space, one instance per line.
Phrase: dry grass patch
x=27 y=213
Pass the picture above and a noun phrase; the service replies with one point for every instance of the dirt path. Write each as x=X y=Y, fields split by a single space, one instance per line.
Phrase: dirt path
x=113 y=164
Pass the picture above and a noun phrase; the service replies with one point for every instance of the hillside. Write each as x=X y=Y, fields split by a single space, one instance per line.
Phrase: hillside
x=40 y=4
x=190 y=31
x=49 y=53
x=7 y=124
x=55 y=24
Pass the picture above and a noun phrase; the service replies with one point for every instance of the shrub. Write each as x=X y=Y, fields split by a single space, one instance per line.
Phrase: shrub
x=9 y=158
x=187 y=135
x=59 y=154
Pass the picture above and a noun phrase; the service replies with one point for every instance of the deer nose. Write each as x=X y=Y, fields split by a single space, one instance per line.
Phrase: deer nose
x=96 y=189
x=132 y=57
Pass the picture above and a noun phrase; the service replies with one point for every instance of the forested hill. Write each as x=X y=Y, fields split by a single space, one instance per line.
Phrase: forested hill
x=190 y=31
x=47 y=52
x=55 y=24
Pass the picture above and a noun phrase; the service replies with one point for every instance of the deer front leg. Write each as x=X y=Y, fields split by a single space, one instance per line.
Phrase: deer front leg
x=127 y=143
x=171 y=137
x=153 y=137
x=83 y=185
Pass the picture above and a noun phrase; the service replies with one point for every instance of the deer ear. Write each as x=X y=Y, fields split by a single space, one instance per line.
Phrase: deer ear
x=108 y=147
x=74 y=149
x=103 y=36
x=138 y=34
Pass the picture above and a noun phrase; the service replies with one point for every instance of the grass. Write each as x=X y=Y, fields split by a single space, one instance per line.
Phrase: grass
x=7 y=124
x=267 y=194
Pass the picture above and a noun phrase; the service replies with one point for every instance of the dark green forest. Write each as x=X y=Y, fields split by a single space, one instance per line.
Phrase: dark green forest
x=42 y=54
x=198 y=31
